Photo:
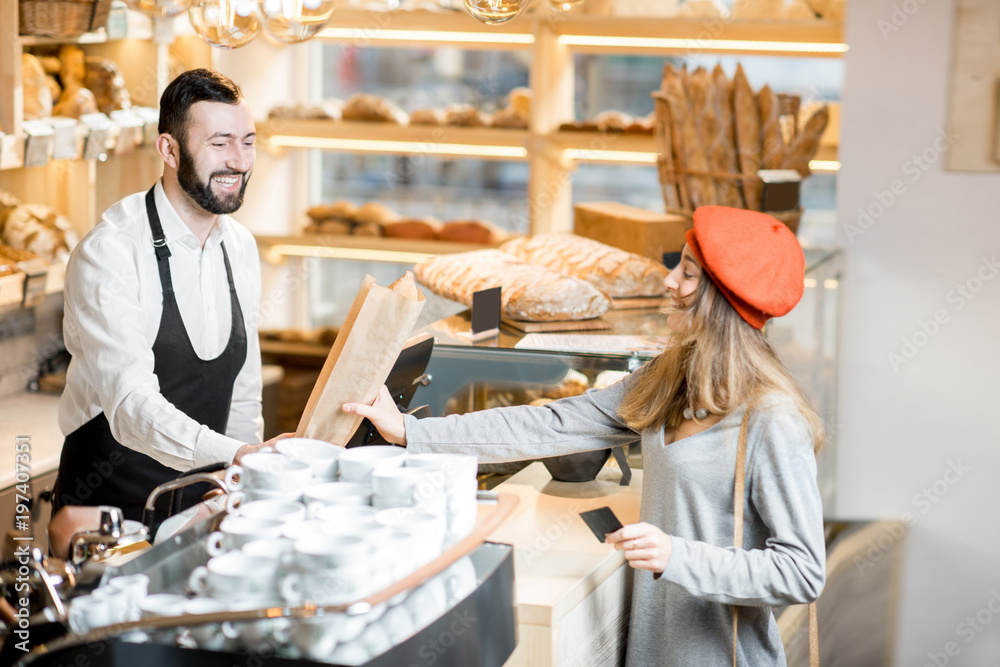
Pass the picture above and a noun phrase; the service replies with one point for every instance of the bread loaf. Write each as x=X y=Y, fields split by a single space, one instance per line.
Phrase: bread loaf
x=690 y=152
x=73 y=66
x=730 y=192
x=612 y=121
x=37 y=96
x=527 y=292
x=519 y=99
x=75 y=102
x=427 y=117
x=465 y=115
x=747 y=121
x=702 y=94
x=770 y=128
x=469 y=231
x=40 y=229
x=412 y=228
x=613 y=271
x=376 y=213
x=510 y=118
x=806 y=143
x=106 y=81
x=372 y=108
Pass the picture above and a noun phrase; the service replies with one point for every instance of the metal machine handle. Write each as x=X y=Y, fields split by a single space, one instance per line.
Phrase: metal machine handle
x=149 y=512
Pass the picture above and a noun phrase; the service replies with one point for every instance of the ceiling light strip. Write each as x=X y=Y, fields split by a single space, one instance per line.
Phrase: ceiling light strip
x=824 y=165
x=687 y=44
x=362 y=35
x=355 y=254
x=383 y=146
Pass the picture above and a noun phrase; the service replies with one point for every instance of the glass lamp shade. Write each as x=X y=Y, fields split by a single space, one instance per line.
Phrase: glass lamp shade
x=226 y=24
x=293 y=21
x=565 y=5
x=159 y=8
x=494 y=12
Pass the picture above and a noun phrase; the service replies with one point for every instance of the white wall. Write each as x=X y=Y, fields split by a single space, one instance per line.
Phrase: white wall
x=903 y=428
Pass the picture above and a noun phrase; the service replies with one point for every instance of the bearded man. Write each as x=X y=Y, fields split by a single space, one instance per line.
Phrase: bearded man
x=161 y=309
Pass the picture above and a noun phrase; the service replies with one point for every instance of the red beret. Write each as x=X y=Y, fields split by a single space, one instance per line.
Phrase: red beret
x=755 y=260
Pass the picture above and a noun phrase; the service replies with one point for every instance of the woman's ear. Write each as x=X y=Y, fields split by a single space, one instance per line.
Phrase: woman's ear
x=167 y=147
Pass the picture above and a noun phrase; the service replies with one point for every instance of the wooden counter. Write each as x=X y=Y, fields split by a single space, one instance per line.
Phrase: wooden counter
x=573 y=592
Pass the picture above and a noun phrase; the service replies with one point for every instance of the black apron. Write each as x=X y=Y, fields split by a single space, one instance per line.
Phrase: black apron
x=94 y=469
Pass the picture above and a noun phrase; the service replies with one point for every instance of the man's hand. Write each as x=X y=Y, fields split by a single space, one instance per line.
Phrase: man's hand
x=268 y=446
x=384 y=414
x=646 y=547
x=67 y=522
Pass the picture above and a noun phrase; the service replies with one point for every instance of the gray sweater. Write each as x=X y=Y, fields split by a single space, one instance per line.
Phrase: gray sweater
x=684 y=616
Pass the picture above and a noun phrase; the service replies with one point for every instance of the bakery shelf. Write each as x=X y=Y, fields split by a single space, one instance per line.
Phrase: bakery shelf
x=606 y=146
x=652 y=36
x=360 y=248
x=406 y=29
x=592 y=34
x=85 y=38
x=11 y=289
x=386 y=138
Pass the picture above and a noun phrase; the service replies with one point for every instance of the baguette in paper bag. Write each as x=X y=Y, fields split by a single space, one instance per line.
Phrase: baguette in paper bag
x=376 y=329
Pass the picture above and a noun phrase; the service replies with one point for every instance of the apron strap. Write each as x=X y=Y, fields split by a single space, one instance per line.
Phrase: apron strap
x=159 y=243
x=739 y=487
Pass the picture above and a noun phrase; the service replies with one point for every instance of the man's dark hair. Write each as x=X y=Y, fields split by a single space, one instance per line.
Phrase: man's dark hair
x=192 y=86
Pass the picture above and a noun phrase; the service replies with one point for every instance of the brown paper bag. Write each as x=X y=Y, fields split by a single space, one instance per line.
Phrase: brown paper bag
x=378 y=325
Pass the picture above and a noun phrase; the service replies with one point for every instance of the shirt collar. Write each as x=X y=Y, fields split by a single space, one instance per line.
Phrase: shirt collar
x=175 y=229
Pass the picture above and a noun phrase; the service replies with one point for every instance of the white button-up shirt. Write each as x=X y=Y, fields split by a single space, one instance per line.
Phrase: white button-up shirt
x=113 y=302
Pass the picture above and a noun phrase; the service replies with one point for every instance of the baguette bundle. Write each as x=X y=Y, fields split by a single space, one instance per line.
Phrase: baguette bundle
x=614 y=271
x=714 y=133
x=527 y=292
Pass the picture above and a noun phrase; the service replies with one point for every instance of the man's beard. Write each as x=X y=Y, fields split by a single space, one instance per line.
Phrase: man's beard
x=202 y=193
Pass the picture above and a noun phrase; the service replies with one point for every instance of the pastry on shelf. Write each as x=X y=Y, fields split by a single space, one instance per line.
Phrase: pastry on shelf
x=528 y=292
x=574 y=384
x=702 y=9
x=614 y=271
x=470 y=231
x=369 y=108
x=510 y=118
x=37 y=95
x=9 y=257
x=40 y=229
x=326 y=110
x=335 y=218
x=427 y=117
x=75 y=102
x=519 y=99
x=104 y=79
x=413 y=228
x=465 y=115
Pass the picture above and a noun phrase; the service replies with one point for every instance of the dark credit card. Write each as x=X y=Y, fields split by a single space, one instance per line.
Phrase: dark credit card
x=602 y=521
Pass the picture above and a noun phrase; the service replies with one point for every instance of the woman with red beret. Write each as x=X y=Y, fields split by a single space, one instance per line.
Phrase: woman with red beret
x=719 y=384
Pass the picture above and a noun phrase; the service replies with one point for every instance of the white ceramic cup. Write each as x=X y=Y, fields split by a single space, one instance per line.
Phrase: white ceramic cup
x=409 y=487
x=327 y=552
x=426 y=603
x=333 y=514
x=357 y=464
x=270 y=471
x=316 y=637
x=88 y=612
x=294 y=496
x=262 y=634
x=265 y=509
x=337 y=493
x=427 y=530
x=132 y=588
x=320 y=455
x=159 y=605
x=271 y=547
x=236 y=576
x=235 y=531
x=399 y=624
x=210 y=636
x=323 y=587
x=457 y=467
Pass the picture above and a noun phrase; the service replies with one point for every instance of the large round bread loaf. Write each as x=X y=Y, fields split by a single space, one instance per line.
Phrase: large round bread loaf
x=527 y=292
x=614 y=271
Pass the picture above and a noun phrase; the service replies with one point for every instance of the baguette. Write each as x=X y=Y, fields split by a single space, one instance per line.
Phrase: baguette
x=729 y=191
x=703 y=106
x=527 y=292
x=806 y=143
x=690 y=153
x=747 y=119
x=770 y=128
x=614 y=271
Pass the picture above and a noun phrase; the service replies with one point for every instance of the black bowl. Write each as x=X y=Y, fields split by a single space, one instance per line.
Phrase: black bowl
x=580 y=467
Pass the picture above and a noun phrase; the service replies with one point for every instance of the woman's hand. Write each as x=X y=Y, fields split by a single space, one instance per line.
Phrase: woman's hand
x=646 y=547
x=384 y=414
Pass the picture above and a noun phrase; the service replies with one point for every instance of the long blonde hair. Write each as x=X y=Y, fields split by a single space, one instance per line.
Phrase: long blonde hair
x=718 y=362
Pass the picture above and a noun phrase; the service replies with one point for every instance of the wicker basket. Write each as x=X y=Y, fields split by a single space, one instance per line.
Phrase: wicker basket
x=62 y=18
x=674 y=174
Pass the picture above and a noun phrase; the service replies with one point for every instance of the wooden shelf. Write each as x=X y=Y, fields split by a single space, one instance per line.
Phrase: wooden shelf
x=591 y=34
x=386 y=138
x=85 y=38
x=360 y=248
